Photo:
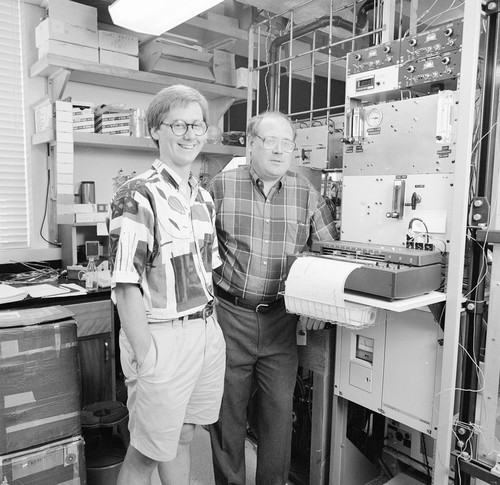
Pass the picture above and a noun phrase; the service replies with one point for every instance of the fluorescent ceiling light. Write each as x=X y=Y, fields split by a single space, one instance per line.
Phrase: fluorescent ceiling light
x=154 y=17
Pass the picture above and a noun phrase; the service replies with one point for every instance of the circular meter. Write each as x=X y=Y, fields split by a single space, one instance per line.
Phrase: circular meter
x=373 y=117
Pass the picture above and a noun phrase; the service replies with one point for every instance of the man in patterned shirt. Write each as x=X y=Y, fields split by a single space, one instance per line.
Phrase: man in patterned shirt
x=264 y=213
x=163 y=248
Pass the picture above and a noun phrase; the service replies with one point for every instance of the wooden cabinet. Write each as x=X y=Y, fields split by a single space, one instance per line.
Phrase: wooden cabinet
x=95 y=332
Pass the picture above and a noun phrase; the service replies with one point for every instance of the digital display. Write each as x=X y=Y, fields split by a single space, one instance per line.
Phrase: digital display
x=366 y=83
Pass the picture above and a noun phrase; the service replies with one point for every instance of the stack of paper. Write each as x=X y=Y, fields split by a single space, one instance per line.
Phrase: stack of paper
x=10 y=293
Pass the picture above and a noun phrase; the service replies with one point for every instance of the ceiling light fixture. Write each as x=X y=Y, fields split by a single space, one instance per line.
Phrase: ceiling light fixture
x=154 y=17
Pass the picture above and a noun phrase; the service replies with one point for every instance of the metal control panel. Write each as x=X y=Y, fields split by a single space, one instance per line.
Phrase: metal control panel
x=439 y=67
x=436 y=41
x=431 y=56
x=375 y=57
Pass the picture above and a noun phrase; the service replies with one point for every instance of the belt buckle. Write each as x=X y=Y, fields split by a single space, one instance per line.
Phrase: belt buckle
x=207 y=311
x=263 y=305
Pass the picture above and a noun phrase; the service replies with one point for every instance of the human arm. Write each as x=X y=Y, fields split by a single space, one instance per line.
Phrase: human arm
x=133 y=318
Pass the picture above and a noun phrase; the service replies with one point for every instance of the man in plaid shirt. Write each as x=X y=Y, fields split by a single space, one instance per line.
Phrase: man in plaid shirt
x=264 y=213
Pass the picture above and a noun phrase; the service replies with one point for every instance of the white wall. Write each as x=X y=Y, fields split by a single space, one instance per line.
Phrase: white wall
x=98 y=164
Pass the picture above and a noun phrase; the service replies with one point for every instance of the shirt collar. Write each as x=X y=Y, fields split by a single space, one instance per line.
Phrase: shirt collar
x=171 y=177
x=258 y=181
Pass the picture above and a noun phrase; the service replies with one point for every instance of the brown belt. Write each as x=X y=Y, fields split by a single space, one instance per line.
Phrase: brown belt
x=259 y=307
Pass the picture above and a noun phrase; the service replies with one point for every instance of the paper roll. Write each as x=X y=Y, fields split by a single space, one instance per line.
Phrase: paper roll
x=315 y=288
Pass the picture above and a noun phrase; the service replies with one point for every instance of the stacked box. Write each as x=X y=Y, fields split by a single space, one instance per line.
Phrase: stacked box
x=117 y=49
x=70 y=30
x=164 y=57
x=39 y=378
x=83 y=117
x=224 y=67
x=113 y=123
x=58 y=463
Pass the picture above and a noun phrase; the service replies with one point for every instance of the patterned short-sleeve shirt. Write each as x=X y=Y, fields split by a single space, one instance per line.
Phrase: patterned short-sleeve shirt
x=164 y=242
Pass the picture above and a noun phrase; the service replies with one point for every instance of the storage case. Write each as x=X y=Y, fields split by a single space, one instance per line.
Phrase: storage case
x=58 y=463
x=39 y=377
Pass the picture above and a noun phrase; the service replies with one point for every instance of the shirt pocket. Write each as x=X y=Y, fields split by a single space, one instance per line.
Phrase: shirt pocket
x=296 y=237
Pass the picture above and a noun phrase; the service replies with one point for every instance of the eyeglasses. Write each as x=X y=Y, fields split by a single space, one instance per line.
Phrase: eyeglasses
x=180 y=128
x=271 y=142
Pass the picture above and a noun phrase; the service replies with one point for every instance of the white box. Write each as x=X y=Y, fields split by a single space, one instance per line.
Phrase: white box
x=66 y=31
x=112 y=58
x=66 y=49
x=114 y=131
x=91 y=217
x=64 y=137
x=44 y=115
x=69 y=11
x=167 y=58
x=224 y=67
x=242 y=78
x=123 y=43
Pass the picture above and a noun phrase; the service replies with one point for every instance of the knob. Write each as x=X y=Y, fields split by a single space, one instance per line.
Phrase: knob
x=410 y=68
x=446 y=60
x=358 y=57
x=448 y=31
x=412 y=42
x=415 y=199
x=387 y=49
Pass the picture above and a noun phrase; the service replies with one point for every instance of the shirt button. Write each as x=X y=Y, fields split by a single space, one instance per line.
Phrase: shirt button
x=266 y=242
x=264 y=263
x=267 y=221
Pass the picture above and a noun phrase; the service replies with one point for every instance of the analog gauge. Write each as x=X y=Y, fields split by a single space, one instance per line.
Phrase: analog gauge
x=373 y=117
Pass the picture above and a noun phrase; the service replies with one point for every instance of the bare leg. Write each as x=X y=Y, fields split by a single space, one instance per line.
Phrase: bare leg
x=136 y=469
x=178 y=471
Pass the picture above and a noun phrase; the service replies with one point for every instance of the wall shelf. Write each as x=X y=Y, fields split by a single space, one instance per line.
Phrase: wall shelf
x=59 y=70
x=129 y=143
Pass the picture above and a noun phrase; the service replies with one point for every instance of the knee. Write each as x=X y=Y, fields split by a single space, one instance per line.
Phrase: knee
x=187 y=434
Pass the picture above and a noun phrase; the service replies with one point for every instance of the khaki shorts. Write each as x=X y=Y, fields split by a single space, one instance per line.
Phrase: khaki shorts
x=180 y=381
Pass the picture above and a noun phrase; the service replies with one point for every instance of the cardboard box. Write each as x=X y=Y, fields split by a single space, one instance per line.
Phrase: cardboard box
x=68 y=11
x=166 y=58
x=123 y=43
x=66 y=31
x=113 y=123
x=91 y=217
x=224 y=68
x=182 y=69
x=39 y=378
x=66 y=49
x=242 y=78
x=58 y=463
x=46 y=113
x=118 y=59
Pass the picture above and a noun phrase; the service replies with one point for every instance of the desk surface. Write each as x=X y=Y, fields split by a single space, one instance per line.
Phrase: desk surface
x=62 y=299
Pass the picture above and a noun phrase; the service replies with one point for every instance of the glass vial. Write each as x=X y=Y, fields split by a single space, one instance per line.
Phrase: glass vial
x=91 y=280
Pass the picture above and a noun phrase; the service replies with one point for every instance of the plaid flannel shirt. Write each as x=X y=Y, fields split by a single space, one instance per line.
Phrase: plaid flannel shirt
x=256 y=233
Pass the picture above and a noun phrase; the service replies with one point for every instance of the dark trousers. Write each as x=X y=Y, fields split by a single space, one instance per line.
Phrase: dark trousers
x=261 y=347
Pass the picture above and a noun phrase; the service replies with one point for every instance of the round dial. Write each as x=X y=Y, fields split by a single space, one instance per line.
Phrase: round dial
x=373 y=117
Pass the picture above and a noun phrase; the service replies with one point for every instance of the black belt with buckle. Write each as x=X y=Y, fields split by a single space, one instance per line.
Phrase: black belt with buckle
x=260 y=307
x=205 y=313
